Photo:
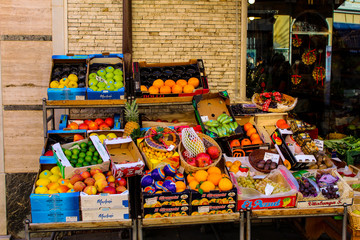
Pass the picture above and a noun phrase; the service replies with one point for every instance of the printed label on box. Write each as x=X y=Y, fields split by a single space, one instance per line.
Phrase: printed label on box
x=320 y=144
x=71 y=219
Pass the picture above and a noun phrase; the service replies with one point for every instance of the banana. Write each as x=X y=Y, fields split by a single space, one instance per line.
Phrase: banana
x=214 y=130
x=236 y=125
x=227 y=120
x=232 y=126
x=227 y=127
x=212 y=123
x=221 y=117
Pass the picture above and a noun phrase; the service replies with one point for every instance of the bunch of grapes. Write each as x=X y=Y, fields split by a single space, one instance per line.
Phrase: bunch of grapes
x=330 y=192
x=247 y=182
x=306 y=188
x=260 y=186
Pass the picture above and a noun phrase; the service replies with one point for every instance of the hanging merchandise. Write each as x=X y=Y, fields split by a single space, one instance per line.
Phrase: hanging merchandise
x=309 y=57
x=296 y=41
x=295 y=79
x=319 y=74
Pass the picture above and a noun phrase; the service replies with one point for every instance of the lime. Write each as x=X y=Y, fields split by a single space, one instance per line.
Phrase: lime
x=74 y=157
x=88 y=158
x=95 y=158
x=73 y=162
x=83 y=145
x=90 y=143
x=82 y=155
x=88 y=153
x=99 y=161
x=92 y=149
x=85 y=164
x=96 y=153
x=83 y=150
x=81 y=160
x=78 y=165
x=75 y=151
x=68 y=153
x=93 y=163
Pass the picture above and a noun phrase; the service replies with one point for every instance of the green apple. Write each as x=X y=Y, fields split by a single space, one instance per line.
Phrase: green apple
x=110 y=87
x=118 y=84
x=94 y=88
x=93 y=82
x=92 y=75
x=118 y=72
x=109 y=69
x=110 y=81
x=109 y=75
x=118 y=78
x=100 y=89
x=101 y=72
x=101 y=85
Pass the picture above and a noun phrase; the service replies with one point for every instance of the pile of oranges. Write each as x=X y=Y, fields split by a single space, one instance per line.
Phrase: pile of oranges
x=252 y=136
x=209 y=180
x=170 y=86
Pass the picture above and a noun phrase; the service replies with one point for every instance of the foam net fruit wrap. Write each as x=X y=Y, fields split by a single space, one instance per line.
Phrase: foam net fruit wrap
x=192 y=142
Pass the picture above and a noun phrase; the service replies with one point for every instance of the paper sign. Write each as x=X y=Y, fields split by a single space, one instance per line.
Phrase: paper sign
x=181 y=170
x=151 y=201
x=170 y=148
x=204 y=119
x=272 y=156
x=320 y=144
x=71 y=219
x=259 y=176
x=309 y=174
x=268 y=189
x=204 y=209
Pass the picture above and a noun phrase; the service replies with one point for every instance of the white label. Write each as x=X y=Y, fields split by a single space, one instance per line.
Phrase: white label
x=259 y=176
x=272 y=156
x=181 y=170
x=170 y=148
x=309 y=174
x=320 y=144
x=75 y=146
x=79 y=97
x=268 y=189
x=151 y=201
x=204 y=119
x=100 y=79
x=204 y=209
x=71 y=218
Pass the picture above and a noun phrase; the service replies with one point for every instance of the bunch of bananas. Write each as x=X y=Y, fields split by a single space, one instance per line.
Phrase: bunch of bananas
x=223 y=126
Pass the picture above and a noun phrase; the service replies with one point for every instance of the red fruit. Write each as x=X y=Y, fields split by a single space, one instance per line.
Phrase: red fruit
x=104 y=126
x=85 y=174
x=78 y=137
x=110 y=190
x=89 y=181
x=186 y=154
x=112 y=184
x=175 y=121
x=76 y=178
x=203 y=160
x=191 y=161
x=99 y=121
x=109 y=121
x=95 y=171
x=79 y=186
x=121 y=182
x=73 y=126
x=87 y=121
x=158 y=120
x=93 y=126
x=213 y=152
x=120 y=189
x=84 y=126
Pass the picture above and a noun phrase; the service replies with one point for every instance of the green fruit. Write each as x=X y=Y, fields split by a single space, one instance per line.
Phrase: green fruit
x=96 y=154
x=356 y=212
x=109 y=75
x=99 y=161
x=74 y=157
x=84 y=150
x=118 y=84
x=83 y=145
x=110 y=82
x=93 y=82
x=90 y=143
x=78 y=165
x=85 y=164
x=100 y=89
x=118 y=78
x=118 y=72
x=75 y=151
x=82 y=154
x=109 y=69
x=101 y=85
x=101 y=72
x=95 y=158
x=93 y=163
x=92 y=149
x=94 y=88
x=88 y=158
x=92 y=76
x=68 y=153
x=89 y=153
x=73 y=162
x=81 y=160
x=110 y=87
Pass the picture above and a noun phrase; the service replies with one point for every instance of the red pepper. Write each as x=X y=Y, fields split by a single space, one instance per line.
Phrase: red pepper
x=243 y=169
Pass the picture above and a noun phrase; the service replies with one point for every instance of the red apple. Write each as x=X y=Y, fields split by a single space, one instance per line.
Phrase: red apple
x=109 y=121
x=87 y=121
x=213 y=152
x=191 y=161
x=78 y=137
x=85 y=174
x=120 y=189
x=104 y=126
x=95 y=171
x=112 y=184
x=84 y=126
x=79 y=186
x=110 y=190
x=202 y=160
x=89 y=181
x=121 y=182
x=186 y=154
x=93 y=126
x=99 y=121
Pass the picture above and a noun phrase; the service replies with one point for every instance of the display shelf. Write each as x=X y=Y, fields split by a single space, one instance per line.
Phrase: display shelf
x=295 y=212
x=84 y=103
x=164 y=101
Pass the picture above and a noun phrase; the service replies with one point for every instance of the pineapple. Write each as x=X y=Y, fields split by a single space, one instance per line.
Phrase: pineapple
x=131 y=118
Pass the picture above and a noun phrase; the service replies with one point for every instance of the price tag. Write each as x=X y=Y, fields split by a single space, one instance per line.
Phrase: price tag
x=272 y=156
x=320 y=144
x=71 y=219
x=259 y=176
x=309 y=174
x=268 y=189
x=151 y=201
x=170 y=148
x=181 y=170
x=204 y=119
x=204 y=209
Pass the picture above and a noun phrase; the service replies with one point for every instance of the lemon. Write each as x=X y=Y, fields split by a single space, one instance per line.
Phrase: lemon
x=45 y=174
x=73 y=77
x=71 y=190
x=41 y=190
x=54 y=178
x=64 y=81
x=111 y=136
x=53 y=191
x=61 y=86
x=94 y=134
x=42 y=182
x=54 y=84
x=73 y=84
x=102 y=137
x=55 y=170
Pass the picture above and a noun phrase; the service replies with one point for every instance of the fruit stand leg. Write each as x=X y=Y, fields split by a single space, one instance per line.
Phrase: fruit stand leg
x=139 y=229
x=344 y=227
x=134 y=230
x=27 y=233
x=248 y=224
x=242 y=224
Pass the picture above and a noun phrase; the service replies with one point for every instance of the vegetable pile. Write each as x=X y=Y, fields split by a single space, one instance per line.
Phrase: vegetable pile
x=348 y=147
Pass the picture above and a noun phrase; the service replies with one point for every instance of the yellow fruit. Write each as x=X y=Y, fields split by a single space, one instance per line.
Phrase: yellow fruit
x=41 y=190
x=64 y=81
x=54 y=84
x=193 y=185
x=62 y=181
x=237 y=163
x=45 y=174
x=42 y=182
x=207 y=186
x=73 y=77
x=54 y=178
x=102 y=137
x=62 y=86
x=143 y=88
x=234 y=168
x=53 y=185
x=111 y=136
x=228 y=164
x=225 y=184
x=93 y=134
x=201 y=175
x=55 y=170
x=213 y=170
x=72 y=84
x=180 y=186
x=53 y=191
x=214 y=178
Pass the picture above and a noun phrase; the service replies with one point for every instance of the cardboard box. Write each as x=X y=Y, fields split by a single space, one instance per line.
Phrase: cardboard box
x=65 y=121
x=105 y=214
x=213 y=209
x=67 y=170
x=68 y=93
x=104 y=200
x=172 y=211
x=106 y=59
x=209 y=107
x=266 y=124
x=147 y=73
x=55 y=216
x=126 y=159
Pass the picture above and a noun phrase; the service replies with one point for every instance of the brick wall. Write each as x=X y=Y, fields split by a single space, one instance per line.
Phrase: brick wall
x=163 y=31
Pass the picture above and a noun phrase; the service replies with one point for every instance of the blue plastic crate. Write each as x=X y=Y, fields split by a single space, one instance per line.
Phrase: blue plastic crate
x=55 y=216
x=66 y=93
x=55 y=202
x=92 y=95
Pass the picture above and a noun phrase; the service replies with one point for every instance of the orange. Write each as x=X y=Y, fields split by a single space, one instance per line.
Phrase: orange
x=254 y=136
x=247 y=126
x=190 y=178
x=194 y=81
x=143 y=88
x=237 y=163
x=228 y=164
x=234 y=143
x=214 y=178
x=207 y=186
x=165 y=90
x=181 y=82
x=245 y=142
x=201 y=175
x=180 y=186
x=188 y=88
x=176 y=89
x=225 y=184
x=158 y=83
x=250 y=132
x=153 y=90
x=193 y=185
x=169 y=83
x=213 y=170
x=257 y=141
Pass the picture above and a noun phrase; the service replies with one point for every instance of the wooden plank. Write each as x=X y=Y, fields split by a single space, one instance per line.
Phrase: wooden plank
x=84 y=103
x=165 y=100
x=25 y=72
x=3 y=229
x=25 y=17
x=23 y=140
x=81 y=225
x=298 y=211
x=183 y=220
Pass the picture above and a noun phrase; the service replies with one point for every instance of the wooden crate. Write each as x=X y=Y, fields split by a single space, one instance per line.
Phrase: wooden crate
x=266 y=124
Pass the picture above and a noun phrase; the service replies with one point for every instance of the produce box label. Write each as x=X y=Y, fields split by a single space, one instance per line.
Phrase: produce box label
x=264 y=203
x=211 y=209
x=324 y=203
x=213 y=198
x=158 y=212
x=105 y=214
x=166 y=199
x=104 y=200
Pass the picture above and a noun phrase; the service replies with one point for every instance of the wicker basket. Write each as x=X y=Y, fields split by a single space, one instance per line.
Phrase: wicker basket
x=253 y=162
x=280 y=107
x=160 y=147
x=353 y=217
x=208 y=142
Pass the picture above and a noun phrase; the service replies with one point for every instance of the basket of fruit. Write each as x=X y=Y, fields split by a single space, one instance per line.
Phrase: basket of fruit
x=354 y=213
x=274 y=102
x=162 y=139
x=198 y=152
